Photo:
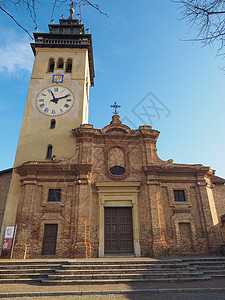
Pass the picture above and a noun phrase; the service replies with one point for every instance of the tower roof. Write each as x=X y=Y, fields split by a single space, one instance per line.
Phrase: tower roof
x=69 y=33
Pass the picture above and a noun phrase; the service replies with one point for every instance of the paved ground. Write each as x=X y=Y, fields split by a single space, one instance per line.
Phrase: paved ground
x=196 y=290
x=22 y=287
x=139 y=296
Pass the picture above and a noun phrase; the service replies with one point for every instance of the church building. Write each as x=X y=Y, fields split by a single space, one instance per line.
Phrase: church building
x=80 y=192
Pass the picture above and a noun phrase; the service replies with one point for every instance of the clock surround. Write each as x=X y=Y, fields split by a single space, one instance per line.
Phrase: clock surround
x=55 y=101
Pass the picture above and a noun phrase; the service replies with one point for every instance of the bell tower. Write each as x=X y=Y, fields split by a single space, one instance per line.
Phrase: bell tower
x=57 y=101
x=58 y=96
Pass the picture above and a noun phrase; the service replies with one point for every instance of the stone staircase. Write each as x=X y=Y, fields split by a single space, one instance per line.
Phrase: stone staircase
x=100 y=271
x=26 y=271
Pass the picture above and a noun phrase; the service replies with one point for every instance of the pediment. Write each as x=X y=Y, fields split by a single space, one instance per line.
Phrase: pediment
x=116 y=127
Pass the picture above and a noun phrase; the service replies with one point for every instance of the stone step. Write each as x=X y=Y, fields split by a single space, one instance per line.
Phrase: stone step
x=204 y=258
x=27 y=271
x=21 y=266
x=209 y=267
x=122 y=271
x=217 y=275
x=206 y=263
x=32 y=262
x=88 y=272
x=122 y=266
x=139 y=266
x=22 y=280
x=123 y=276
x=24 y=276
x=119 y=281
x=149 y=261
x=213 y=271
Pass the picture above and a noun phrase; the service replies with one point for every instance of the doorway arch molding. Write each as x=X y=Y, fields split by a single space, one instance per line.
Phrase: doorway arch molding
x=119 y=194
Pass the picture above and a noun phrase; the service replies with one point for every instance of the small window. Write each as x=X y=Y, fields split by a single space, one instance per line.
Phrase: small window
x=49 y=152
x=51 y=65
x=54 y=195
x=117 y=170
x=179 y=196
x=60 y=63
x=69 y=65
x=71 y=30
x=52 y=125
x=60 y=30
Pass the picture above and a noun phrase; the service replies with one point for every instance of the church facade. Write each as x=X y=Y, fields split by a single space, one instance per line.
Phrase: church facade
x=77 y=191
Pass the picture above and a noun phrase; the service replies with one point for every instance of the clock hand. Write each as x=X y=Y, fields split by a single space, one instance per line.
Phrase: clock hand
x=63 y=97
x=52 y=94
x=54 y=98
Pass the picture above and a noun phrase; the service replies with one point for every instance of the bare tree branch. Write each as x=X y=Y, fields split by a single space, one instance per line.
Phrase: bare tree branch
x=96 y=7
x=16 y=22
x=10 y=6
x=207 y=17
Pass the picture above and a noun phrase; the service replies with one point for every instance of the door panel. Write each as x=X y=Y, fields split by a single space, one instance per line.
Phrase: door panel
x=118 y=230
x=49 y=241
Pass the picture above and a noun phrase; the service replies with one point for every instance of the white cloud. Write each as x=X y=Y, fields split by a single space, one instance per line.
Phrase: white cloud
x=15 y=53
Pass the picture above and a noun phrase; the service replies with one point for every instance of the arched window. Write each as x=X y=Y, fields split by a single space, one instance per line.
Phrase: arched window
x=117 y=170
x=49 y=152
x=52 y=125
x=71 y=30
x=60 y=30
x=60 y=63
x=51 y=65
x=69 y=65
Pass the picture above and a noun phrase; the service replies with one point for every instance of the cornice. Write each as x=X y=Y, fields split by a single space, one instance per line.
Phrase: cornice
x=176 y=168
x=52 y=167
x=116 y=131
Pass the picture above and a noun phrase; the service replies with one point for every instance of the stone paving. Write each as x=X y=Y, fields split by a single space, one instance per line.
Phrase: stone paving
x=128 y=291
x=139 y=296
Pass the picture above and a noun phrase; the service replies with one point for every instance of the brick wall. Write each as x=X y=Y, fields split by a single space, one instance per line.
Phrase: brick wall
x=166 y=227
x=219 y=196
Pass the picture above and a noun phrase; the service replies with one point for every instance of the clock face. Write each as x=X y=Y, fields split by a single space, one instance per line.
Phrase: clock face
x=55 y=101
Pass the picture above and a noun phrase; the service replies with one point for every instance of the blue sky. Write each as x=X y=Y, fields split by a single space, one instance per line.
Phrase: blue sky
x=139 y=55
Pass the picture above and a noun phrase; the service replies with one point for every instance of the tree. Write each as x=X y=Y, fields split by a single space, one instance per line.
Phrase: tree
x=208 y=18
x=9 y=7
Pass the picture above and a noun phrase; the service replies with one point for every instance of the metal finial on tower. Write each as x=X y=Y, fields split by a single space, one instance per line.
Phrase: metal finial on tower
x=115 y=106
x=71 y=10
x=71 y=13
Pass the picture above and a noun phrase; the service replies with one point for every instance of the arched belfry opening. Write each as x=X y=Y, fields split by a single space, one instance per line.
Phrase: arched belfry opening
x=69 y=65
x=60 y=63
x=51 y=65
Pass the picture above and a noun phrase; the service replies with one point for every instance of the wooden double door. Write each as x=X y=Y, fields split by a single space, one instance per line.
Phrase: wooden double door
x=118 y=230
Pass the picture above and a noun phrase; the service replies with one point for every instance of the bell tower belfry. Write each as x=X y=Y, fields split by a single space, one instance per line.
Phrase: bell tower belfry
x=57 y=101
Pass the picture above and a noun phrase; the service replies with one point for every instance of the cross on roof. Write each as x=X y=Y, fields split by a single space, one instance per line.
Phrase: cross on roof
x=115 y=106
